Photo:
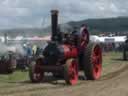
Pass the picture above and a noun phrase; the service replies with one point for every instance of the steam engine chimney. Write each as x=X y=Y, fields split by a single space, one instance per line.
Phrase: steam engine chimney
x=54 y=24
x=5 y=38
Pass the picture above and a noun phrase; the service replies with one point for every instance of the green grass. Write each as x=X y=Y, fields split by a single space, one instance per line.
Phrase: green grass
x=112 y=58
x=15 y=77
x=108 y=59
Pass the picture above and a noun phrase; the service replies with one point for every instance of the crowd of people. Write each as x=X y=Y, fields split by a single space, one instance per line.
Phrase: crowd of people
x=32 y=50
x=112 y=47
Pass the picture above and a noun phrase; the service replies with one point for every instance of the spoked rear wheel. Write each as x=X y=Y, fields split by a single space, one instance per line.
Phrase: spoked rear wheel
x=71 y=71
x=92 y=62
x=35 y=73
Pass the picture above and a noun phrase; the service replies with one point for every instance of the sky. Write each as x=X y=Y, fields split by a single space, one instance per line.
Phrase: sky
x=36 y=13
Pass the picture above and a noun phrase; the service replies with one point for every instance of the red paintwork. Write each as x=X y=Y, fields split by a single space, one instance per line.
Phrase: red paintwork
x=97 y=62
x=70 y=51
x=73 y=72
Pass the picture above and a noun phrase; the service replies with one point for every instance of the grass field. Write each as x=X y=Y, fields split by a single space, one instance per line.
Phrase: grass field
x=112 y=58
x=12 y=82
x=108 y=59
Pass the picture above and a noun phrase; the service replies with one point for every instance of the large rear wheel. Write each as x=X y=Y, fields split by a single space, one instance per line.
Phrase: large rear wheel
x=35 y=73
x=71 y=71
x=92 y=61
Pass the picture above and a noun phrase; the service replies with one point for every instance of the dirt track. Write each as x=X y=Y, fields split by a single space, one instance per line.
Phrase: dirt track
x=114 y=82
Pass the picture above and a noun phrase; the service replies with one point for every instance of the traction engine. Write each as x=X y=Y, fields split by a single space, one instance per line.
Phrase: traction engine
x=66 y=54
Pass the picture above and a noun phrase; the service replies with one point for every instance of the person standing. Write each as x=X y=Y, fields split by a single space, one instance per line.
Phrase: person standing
x=84 y=36
x=34 y=49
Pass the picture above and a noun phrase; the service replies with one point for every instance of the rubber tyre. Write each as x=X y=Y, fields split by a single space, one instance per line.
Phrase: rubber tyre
x=92 y=61
x=11 y=65
x=71 y=71
x=33 y=73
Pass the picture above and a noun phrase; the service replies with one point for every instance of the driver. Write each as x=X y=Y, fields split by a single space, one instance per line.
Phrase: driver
x=84 y=36
x=81 y=37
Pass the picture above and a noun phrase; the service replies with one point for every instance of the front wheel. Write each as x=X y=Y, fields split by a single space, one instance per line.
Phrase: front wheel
x=71 y=71
x=11 y=65
x=35 y=73
x=92 y=61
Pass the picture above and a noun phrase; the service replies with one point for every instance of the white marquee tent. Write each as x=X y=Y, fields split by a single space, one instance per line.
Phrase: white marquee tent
x=107 y=39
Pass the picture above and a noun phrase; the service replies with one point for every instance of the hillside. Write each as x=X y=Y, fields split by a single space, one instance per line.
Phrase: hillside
x=95 y=26
x=24 y=32
x=119 y=24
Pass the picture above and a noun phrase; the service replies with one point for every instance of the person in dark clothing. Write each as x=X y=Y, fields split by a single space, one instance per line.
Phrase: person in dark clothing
x=75 y=31
x=84 y=37
x=38 y=51
x=75 y=34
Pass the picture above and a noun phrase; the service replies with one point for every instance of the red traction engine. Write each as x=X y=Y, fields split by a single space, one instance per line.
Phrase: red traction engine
x=66 y=55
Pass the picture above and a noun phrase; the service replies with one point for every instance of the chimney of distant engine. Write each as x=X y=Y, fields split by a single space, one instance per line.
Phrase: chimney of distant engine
x=5 y=38
x=54 y=24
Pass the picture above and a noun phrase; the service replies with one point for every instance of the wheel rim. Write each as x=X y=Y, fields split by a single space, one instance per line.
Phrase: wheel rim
x=73 y=72
x=97 y=62
x=37 y=74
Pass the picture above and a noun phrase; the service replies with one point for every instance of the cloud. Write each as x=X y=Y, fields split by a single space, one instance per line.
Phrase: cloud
x=36 y=13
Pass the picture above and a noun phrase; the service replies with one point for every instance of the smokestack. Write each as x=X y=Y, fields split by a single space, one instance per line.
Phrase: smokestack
x=54 y=24
x=5 y=38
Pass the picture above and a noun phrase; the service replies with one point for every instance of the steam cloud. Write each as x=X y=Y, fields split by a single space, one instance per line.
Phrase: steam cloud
x=65 y=28
x=16 y=48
